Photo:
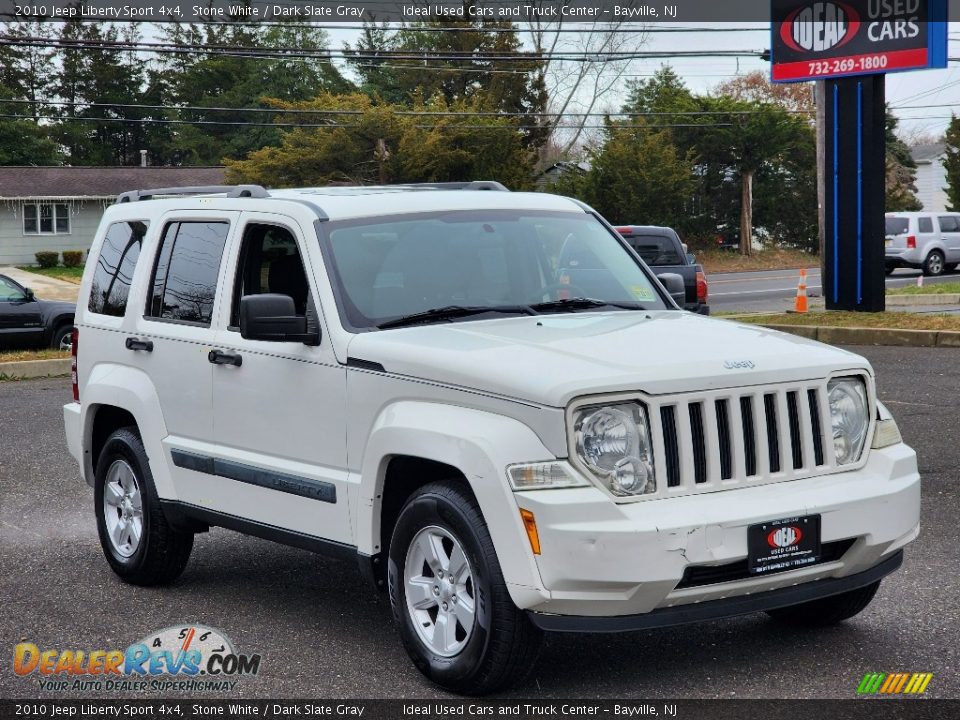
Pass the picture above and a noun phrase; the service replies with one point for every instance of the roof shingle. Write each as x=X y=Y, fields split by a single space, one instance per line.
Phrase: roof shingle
x=99 y=182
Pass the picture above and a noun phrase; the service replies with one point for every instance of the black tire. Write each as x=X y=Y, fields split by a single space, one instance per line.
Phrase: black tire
x=827 y=611
x=163 y=552
x=934 y=264
x=504 y=644
x=889 y=270
x=59 y=335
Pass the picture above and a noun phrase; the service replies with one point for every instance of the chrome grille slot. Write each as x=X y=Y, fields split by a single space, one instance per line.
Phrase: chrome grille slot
x=813 y=398
x=670 y=449
x=698 y=439
x=749 y=439
x=796 y=442
x=723 y=438
x=773 y=442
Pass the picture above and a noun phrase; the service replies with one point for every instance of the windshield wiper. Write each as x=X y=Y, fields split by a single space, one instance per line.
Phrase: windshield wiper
x=452 y=312
x=582 y=303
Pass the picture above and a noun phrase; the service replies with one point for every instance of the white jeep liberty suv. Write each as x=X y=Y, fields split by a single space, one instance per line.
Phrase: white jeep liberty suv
x=488 y=401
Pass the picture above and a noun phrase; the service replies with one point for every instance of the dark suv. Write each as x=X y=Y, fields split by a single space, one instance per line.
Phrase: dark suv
x=26 y=322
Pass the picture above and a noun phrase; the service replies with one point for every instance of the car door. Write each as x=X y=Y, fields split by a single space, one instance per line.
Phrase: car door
x=21 y=322
x=174 y=334
x=279 y=407
x=951 y=240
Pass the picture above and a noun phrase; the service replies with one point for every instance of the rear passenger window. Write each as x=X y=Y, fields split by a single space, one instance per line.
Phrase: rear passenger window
x=948 y=223
x=115 y=266
x=925 y=225
x=185 y=275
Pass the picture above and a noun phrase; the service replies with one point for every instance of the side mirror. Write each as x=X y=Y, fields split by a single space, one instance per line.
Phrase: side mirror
x=28 y=292
x=274 y=318
x=673 y=284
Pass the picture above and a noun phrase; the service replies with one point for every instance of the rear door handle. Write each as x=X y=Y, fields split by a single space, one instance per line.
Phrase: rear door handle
x=219 y=357
x=133 y=343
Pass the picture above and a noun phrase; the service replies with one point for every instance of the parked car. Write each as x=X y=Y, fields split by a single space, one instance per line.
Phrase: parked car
x=487 y=402
x=662 y=249
x=26 y=322
x=928 y=241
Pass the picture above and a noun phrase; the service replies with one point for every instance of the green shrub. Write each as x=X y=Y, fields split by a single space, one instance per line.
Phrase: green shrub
x=72 y=258
x=47 y=258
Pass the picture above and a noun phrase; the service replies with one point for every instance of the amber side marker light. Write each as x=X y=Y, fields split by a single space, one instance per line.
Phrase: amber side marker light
x=530 y=524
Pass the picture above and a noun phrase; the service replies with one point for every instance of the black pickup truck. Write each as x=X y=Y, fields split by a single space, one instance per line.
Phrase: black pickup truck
x=662 y=250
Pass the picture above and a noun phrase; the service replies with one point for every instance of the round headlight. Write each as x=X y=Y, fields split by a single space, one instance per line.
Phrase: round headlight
x=607 y=436
x=614 y=443
x=849 y=417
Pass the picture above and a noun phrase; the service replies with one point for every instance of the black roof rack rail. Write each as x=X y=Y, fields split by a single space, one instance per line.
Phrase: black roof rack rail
x=231 y=191
x=473 y=185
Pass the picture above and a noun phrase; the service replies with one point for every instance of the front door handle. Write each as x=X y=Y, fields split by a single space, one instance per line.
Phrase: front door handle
x=133 y=343
x=219 y=357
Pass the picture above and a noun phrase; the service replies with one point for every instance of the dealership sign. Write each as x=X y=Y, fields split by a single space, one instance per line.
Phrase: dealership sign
x=820 y=39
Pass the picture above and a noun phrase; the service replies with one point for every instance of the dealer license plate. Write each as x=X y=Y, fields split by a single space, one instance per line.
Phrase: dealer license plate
x=781 y=545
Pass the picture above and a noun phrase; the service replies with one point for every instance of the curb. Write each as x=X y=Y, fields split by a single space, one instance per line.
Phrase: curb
x=29 y=369
x=872 y=336
x=922 y=300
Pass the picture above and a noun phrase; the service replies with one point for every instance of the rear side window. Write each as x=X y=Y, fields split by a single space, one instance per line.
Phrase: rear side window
x=185 y=274
x=897 y=226
x=925 y=225
x=114 y=273
x=948 y=223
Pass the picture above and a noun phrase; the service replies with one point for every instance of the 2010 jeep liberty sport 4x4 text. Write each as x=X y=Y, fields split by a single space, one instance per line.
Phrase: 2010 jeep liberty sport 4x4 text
x=488 y=401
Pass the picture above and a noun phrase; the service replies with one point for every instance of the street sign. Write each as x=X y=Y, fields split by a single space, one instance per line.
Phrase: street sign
x=823 y=39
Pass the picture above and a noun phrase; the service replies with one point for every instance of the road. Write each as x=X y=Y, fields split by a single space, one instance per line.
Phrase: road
x=775 y=290
x=321 y=633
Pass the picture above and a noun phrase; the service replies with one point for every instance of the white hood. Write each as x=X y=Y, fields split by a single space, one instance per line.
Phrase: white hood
x=551 y=359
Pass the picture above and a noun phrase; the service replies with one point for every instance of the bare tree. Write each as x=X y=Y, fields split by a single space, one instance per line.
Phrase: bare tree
x=581 y=70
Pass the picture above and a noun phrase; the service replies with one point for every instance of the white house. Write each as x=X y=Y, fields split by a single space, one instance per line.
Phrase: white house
x=59 y=208
x=931 y=176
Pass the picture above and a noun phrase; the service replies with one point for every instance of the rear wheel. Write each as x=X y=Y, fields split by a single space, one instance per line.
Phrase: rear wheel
x=60 y=340
x=455 y=615
x=934 y=264
x=889 y=270
x=827 y=611
x=138 y=542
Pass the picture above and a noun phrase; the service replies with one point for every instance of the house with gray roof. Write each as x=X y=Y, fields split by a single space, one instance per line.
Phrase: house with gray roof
x=59 y=208
x=931 y=175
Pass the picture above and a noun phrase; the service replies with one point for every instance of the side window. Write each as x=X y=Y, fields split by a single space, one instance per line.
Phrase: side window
x=925 y=225
x=10 y=292
x=114 y=272
x=948 y=223
x=185 y=274
x=269 y=263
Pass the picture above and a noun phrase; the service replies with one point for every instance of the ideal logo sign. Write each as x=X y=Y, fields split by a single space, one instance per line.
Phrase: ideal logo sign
x=830 y=38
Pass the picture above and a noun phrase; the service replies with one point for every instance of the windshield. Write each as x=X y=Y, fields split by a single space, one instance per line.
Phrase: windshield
x=897 y=226
x=656 y=250
x=512 y=260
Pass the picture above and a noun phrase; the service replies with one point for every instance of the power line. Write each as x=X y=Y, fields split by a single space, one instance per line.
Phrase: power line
x=438 y=113
x=334 y=126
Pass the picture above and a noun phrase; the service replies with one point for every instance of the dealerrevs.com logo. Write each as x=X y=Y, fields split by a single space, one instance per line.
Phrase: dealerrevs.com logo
x=185 y=658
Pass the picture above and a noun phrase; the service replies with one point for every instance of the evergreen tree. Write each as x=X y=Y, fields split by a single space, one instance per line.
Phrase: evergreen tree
x=952 y=163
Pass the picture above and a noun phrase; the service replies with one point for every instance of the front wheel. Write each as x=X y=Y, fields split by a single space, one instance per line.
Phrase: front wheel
x=455 y=615
x=138 y=542
x=829 y=610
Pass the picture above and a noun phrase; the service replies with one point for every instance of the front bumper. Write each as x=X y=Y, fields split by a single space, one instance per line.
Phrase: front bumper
x=602 y=559
x=718 y=609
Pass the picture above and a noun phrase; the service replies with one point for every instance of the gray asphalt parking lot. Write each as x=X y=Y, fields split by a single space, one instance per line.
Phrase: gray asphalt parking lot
x=322 y=633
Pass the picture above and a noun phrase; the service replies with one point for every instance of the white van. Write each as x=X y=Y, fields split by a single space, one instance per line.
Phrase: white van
x=929 y=241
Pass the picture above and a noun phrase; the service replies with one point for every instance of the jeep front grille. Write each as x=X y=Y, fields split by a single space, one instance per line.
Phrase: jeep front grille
x=744 y=436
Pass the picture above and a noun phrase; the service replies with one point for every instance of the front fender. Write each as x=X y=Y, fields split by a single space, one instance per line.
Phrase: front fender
x=129 y=389
x=481 y=445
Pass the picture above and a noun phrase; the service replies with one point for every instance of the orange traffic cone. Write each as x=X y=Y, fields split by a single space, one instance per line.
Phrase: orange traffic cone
x=800 y=305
